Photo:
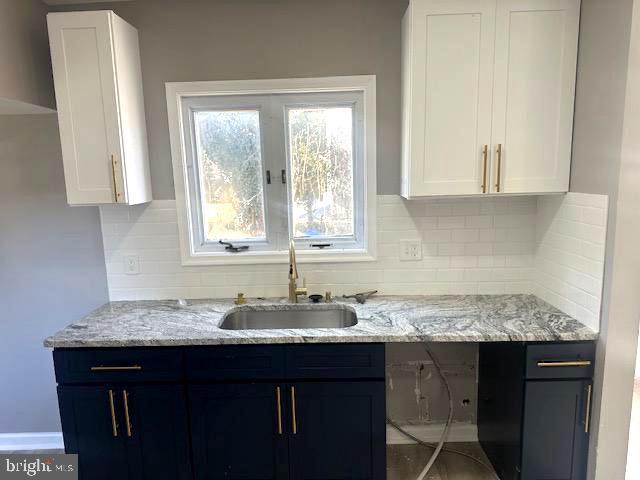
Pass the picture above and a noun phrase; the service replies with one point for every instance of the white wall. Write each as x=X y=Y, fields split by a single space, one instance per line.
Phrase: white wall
x=604 y=109
x=26 y=82
x=183 y=41
x=622 y=311
x=51 y=269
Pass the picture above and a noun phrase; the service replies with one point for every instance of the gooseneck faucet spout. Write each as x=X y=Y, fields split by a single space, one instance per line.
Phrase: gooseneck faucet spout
x=294 y=290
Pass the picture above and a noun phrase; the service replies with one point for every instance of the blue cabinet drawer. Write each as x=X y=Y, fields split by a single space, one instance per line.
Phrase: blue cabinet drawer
x=337 y=361
x=242 y=362
x=103 y=365
x=560 y=360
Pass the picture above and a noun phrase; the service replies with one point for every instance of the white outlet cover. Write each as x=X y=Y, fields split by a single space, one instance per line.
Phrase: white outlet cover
x=410 y=250
x=132 y=264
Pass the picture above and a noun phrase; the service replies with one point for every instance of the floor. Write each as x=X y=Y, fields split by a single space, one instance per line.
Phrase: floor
x=405 y=462
x=633 y=459
x=25 y=452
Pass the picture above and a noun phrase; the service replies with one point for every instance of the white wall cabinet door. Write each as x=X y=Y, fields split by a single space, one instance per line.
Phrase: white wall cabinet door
x=448 y=50
x=533 y=96
x=98 y=85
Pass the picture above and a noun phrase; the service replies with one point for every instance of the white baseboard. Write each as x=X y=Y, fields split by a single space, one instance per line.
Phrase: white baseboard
x=459 y=432
x=31 y=441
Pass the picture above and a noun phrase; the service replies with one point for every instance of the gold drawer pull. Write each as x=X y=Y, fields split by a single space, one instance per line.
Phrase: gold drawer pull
x=113 y=173
x=115 y=369
x=114 y=424
x=573 y=363
x=294 y=421
x=587 y=410
x=485 y=155
x=125 y=400
x=279 y=409
x=499 y=170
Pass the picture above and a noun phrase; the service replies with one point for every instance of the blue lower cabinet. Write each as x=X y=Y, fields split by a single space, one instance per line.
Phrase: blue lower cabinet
x=93 y=430
x=158 y=441
x=238 y=431
x=534 y=404
x=555 y=437
x=338 y=431
x=126 y=431
x=304 y=430
x=225 y=413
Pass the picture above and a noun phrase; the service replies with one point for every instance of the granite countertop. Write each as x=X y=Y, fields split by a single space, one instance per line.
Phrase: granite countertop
x=450 y=318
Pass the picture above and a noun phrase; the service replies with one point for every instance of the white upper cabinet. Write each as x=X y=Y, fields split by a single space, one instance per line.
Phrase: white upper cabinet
x=98 y=86
x=488 y=91
x=534 y=89
x=447 y=69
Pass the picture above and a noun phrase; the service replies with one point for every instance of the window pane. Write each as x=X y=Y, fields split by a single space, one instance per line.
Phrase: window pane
x=230 y=166
x=321 y=156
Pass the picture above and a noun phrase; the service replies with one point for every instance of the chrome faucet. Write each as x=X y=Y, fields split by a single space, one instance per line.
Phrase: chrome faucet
x=294 y=290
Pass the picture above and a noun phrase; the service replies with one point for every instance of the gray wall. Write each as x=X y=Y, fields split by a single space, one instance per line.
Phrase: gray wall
x=25 y=64
x=51 y=268
x=191 y=40
x=602 y=117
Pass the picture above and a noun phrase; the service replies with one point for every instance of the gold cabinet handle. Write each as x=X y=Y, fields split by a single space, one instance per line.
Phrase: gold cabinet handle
x=499 y=168
x=113 y=173
x=485 y=157
x=114 y=424
x=294 y=421
x=587 y=410
x=573 y=363
x=279 y=410
x=115 y=369
x=127 y=419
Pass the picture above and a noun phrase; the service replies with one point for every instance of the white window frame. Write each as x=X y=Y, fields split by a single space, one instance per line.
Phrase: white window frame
x=178 y=93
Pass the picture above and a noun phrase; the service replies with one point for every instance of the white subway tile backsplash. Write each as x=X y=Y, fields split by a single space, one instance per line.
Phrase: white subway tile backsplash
x=552 y=246
x=569 y=254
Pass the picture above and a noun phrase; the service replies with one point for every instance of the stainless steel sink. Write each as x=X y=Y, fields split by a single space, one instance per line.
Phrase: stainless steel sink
x=295 y=317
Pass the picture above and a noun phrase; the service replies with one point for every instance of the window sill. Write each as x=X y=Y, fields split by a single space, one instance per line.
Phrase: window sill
x=262 y=258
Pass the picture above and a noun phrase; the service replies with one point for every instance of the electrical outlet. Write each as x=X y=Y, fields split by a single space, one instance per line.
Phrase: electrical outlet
x=132 y=264
x=410 y=250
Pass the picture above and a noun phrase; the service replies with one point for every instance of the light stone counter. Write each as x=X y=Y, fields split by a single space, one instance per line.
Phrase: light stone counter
x=451 y=318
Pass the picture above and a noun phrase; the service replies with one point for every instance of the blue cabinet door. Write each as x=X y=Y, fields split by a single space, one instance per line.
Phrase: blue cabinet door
x=555 y=436
x=156 y=431
x=238 y=431
x=92 y=425
x=337 y=430
x=127 y=431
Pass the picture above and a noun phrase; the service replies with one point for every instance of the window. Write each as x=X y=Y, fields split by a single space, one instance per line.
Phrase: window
x=260 y=162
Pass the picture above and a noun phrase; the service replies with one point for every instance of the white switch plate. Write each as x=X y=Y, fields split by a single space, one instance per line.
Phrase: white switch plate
x=410 y=250
x=132 y=264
